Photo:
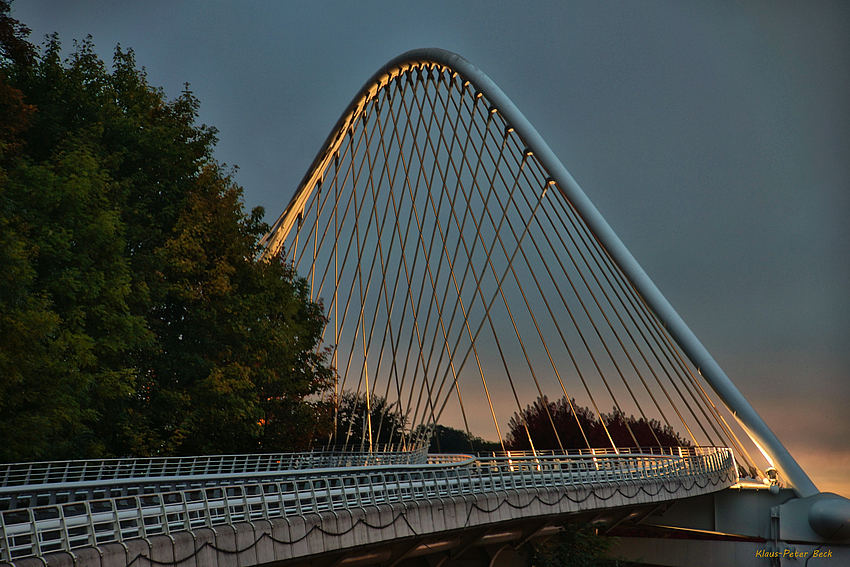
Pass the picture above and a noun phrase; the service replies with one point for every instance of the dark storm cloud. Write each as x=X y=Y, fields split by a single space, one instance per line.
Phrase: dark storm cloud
x=712 y=136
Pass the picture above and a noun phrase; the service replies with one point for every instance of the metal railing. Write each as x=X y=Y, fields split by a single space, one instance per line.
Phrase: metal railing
x=42 y=529
x=53 y=472
x=54 y=493
x=671 y=451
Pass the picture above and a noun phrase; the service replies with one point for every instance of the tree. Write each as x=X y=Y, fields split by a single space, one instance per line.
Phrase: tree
x=450 y=440
x=237 y=365
x=633 y=432
x=354 y=416
x=81 y=277
x=26 y=320
x=578 y=427
x=65 y=319
x=135 y=315
x=575 y=545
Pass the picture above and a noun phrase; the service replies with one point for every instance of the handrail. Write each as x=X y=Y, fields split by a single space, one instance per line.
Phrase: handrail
x=44 y=529
x=688 y=450
x=63 y=481
x=25 y=496
x=49 y=472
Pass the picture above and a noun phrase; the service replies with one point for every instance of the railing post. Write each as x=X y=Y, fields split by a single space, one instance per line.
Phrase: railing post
x=166 y=528
x=5 y=552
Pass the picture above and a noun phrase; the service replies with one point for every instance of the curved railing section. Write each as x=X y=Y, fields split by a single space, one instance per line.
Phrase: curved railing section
x=39 y=530
x=53 y=472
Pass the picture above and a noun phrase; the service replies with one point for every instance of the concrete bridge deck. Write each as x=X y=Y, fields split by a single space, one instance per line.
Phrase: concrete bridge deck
x=296 y=515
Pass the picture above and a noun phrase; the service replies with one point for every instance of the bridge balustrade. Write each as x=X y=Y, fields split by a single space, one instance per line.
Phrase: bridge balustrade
x=39 y=484
x=42 y=529
x=55 y=472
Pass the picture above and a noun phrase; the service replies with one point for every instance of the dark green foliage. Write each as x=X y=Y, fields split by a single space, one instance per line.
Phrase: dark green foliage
x=389 y=426
x=451 y=440
x=354 y=416
x=579 y=428
x=576 y=545
x=135 y=318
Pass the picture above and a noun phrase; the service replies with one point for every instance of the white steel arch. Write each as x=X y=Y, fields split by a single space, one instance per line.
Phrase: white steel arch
x=432 y=160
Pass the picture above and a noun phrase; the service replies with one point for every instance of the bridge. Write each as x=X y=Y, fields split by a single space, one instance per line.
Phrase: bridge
x=467 y=281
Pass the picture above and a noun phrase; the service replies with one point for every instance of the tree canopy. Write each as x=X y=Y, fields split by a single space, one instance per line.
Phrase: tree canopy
x=135 y=315
x=575 y=545
x=451 y=440
x=363 y=422
x=565 y=424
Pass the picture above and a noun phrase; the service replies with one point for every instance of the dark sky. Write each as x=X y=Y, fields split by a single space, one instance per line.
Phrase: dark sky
x=714 y=138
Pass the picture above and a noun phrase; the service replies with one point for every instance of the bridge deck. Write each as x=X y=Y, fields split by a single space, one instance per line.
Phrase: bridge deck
x=69 y=516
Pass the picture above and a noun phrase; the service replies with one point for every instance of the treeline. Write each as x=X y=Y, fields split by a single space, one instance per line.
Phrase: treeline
x=389 y=426
x=565 y=424
x=135 y=318
x=551 y=425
